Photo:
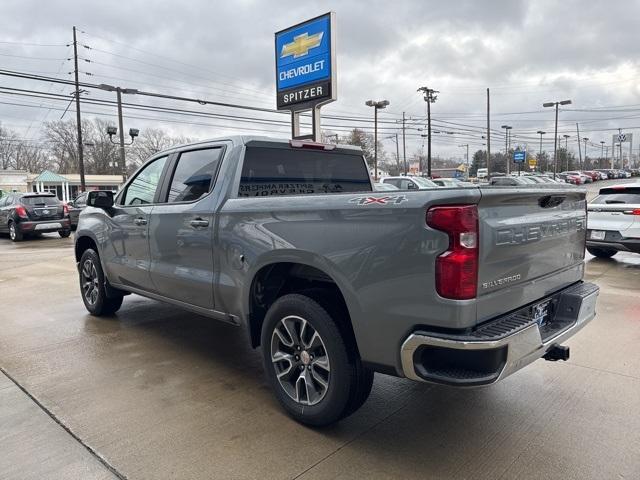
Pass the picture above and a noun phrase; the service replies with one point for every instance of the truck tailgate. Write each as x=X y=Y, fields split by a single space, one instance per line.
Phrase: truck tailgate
x=531 y=245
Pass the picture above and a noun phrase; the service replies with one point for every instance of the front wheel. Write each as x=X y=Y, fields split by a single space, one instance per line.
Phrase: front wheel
x=313 y=369
x=601 y=252
x=92 y=286
x=64 y=233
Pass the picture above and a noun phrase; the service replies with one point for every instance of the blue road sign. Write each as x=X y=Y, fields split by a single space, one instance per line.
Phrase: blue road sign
x=304 y=63
x=520 y=156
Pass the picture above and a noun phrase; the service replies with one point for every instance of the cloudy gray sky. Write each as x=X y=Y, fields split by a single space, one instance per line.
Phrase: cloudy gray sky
x=527 y=52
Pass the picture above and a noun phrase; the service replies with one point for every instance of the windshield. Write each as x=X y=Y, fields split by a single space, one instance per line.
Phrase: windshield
x=37 y=201
x=423 y=182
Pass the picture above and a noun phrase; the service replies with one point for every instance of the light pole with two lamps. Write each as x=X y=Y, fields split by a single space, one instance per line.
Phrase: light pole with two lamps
x=555 y=137
x=376 y=106
x=111 y=131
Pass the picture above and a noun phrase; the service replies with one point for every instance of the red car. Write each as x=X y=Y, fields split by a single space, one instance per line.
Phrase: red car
x=575 y=179
x=594 y=175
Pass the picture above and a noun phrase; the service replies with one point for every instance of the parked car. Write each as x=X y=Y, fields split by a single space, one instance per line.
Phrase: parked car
x=23 y=214
x=409 y=183
x=75 y=207
x=382 y=187
x=289 y=240
x=585 y=178
x=482 y=173
x=450 y=182
x=595 y=176
x=613 y=223
x=511 y=180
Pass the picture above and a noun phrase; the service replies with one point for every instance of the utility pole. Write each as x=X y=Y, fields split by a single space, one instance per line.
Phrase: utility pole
x=488 y=136
x=404 y=146
x=579 y=150
x=566 y=150
x=429 y=97
x=83 y=186
x=601 y=153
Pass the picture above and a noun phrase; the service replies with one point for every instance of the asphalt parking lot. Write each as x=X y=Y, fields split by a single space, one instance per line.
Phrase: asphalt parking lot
x=156 y=392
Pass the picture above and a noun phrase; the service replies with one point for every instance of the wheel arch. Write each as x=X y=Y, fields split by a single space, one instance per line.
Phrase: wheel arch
x=280 y=277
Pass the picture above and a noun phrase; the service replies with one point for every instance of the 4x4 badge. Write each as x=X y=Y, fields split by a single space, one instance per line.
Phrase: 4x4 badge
x=393 y=199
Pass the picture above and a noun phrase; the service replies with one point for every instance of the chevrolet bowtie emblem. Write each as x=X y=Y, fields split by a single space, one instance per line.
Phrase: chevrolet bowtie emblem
x=301 y=45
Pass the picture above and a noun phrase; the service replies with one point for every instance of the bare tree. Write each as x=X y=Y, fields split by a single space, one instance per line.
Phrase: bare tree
x=63 y=144
x=101 y=153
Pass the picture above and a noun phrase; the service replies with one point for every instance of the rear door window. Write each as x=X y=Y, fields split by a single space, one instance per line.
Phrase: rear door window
x=295 y=171
x=194 y=174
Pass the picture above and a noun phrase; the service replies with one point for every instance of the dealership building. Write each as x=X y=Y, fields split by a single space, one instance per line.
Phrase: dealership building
x=65 y=186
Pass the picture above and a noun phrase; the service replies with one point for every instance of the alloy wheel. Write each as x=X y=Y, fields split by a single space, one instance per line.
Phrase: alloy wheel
x=300 y=360
x=12 y=231
x=90 y=281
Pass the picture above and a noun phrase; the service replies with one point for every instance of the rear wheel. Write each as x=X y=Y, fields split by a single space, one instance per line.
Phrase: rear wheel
x=14 y=233
x=313 y=369
x=92 y=286
x=601 y=252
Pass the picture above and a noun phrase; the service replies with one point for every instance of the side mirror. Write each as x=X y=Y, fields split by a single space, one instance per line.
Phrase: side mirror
x=100 y=199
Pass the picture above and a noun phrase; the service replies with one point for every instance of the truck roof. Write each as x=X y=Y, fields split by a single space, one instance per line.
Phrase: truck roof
x=238 y=140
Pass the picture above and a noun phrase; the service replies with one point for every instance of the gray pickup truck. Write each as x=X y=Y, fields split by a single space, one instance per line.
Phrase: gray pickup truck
x=335 y=281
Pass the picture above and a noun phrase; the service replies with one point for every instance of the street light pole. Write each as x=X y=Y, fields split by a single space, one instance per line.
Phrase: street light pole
x=467 y=171
x=122 y=157
x=601 y=153
x=585 y=139
x=540 y=132
x=566 y=150
x=555 y=137
x=376 y=105
x=119 y=91
x=506 y=145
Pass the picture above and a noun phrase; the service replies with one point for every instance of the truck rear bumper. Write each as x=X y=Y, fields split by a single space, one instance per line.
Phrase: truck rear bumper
x=500 y=347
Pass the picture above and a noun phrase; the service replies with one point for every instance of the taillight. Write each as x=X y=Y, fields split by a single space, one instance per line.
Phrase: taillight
x=21 y=211
x=635 y=211
x=457 y=268
x=65 y=207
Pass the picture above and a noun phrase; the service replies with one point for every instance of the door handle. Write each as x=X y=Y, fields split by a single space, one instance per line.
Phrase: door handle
x=140 y=221
x=199 y=223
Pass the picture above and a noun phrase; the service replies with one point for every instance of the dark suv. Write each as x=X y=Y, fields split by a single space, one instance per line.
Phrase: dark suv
x=33 y=213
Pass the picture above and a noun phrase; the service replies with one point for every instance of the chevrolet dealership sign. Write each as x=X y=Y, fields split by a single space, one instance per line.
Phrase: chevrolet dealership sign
x=305 y=64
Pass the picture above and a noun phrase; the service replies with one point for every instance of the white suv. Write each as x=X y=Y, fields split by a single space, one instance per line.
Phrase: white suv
x=613 y=222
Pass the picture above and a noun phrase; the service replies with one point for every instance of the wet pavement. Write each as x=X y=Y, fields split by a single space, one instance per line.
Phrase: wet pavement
x=157 y=392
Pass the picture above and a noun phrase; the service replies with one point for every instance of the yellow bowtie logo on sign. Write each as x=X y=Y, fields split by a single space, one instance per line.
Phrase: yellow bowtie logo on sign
x=301 y=45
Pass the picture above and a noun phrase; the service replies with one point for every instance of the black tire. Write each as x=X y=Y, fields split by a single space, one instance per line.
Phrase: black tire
x=14 y=233
x=601 y=252
x=64 y=233
x=348 y=383
x=94 y=295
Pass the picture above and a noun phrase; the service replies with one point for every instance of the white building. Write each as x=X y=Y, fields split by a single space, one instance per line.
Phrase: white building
x=66 y=186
